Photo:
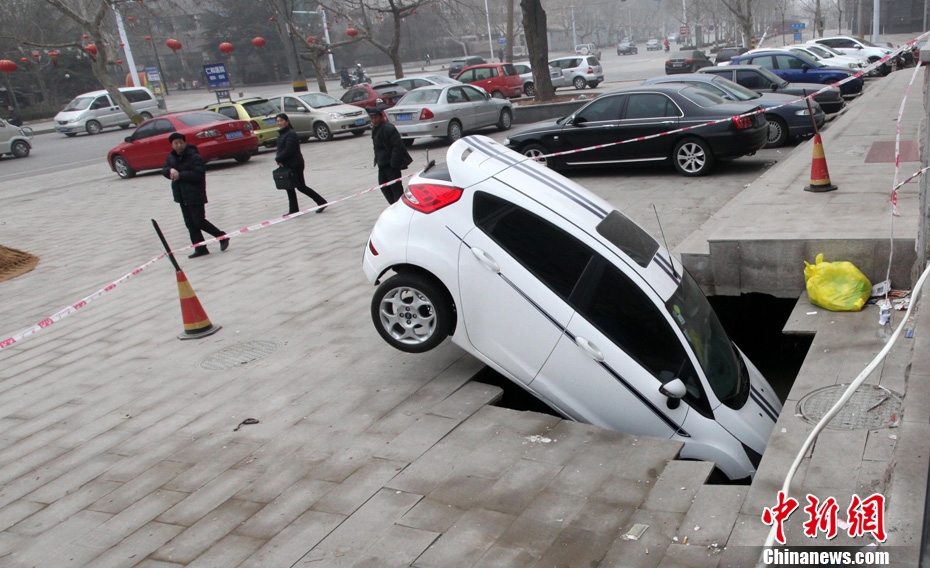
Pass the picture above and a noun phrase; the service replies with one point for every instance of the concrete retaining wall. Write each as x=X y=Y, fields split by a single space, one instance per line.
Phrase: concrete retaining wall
x=526 y=114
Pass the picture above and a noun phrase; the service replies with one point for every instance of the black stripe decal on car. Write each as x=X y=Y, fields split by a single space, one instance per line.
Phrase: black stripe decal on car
x=763 y=404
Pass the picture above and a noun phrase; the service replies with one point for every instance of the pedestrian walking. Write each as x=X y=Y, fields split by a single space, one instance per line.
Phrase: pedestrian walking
x=427 y=60
x=188 y=174
x=289 y=156
x=14 y=117
x=391 y=155
x=500 y=54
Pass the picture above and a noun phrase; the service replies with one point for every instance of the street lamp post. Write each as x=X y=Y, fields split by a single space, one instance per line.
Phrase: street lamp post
x=321 y=11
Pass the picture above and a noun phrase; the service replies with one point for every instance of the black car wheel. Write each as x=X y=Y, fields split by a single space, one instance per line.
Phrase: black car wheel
x=408 y=142
x=93 y=127
x=529 y=89
x=455 y=131
x=692 y=157
x=579 y=83
x=243 y=158
x=506 y=120
x=778 y=132
x=358 y=132
x=20 y=149
x=498 y=95
x=412 y=312
x=536 y=151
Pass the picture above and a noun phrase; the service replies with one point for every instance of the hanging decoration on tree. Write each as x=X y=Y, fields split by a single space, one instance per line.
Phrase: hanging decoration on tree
x=35 y=54
x=85 y=36
x=313 y=39
x=148 y=38
x=226 y=47
x=259 y=42
x=352 y=32
x=24 y=59
x=119 y=61
x=173 y=44
x=7 y=66
x=129 y=18
x=91 y=49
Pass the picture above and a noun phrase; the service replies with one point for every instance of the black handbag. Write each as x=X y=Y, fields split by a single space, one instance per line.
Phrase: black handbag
x=283 y=178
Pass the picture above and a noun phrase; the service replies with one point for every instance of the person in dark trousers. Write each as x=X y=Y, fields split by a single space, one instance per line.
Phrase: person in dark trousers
x=500 y=54
x=390 y=154
x=289 y=156
x=188 y=174
x=14 y=118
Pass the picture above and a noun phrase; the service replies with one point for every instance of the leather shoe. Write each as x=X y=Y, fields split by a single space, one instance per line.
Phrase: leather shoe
x=199 y=252
x=321 y=209
x=289 y=213
x=224 y=244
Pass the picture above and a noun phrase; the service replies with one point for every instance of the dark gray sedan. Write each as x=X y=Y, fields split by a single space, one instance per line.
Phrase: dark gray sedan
x=448 y=112
x=761 y=80
x=793 y=120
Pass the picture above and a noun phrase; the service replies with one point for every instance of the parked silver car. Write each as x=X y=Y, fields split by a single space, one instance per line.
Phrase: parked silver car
x=448 y=112
x=411 y=83
x=320 y=115
x=580 y=71
x=15 y=140
x=529 y=85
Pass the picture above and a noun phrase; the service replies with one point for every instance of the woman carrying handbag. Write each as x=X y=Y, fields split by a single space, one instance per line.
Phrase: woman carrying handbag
x=289 y=156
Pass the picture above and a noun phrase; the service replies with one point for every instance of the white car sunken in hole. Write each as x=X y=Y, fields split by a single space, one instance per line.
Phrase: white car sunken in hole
x=568 y=298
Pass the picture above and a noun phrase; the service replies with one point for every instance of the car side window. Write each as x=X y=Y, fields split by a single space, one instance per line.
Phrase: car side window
x=467 y=76
x=474 y=94
x=593 y=61
x=456 y=95
x=710 y=87
x=846 y=43
x=137 y=96
x=162 y=126
x=291 y=105
x=229 y=111
x=551 y=254
x=605 y=108
x=359 y=95
x=147 y=130
x=417 y=83
x=751 y=80
x=764 y=61
x=788 y=62
x=648 y=105
x=276 y=103
x=619 y=308
x=481 y=74
x=100 y=102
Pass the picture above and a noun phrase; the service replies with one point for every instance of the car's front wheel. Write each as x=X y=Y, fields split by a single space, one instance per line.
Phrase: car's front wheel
x=579 y=83
x=121 y=166
x=455 y=131
x=20 y=149
x=506 y=120
x=692 y=157
x=412 y=312
x=778 y=132
x=537 y=151
x=529 y=89
x=322 y=132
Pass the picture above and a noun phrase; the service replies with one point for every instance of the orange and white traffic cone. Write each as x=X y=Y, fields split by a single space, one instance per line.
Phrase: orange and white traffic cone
x=820 y=176
x=196 y=322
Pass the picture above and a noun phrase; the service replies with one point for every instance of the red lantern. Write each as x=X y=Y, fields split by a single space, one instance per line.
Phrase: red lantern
x=121 y=44
x=226 y=47
x=313 y=39
x=259 y=42
x=85 y=36
x=173 y=44
x=91 y=49
x=119 y=61
x=432 y=5
x=414 y=10
x=24 y=59
x=53 y=54
x=129 y=18
x=352 y=32
x=35 y=54
x=148 y=38
x=7 y=66
x=270 y=19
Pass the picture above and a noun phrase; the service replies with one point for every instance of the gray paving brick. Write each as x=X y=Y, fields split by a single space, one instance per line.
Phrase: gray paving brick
x=489 y=421
x=419 y=437
x=62 y=509
x=135 y=489
x=130 y=519
x=663 y=528
x=431 y=515
x=462 y=491
x=136 y=546
x=503 y=557
x=687 y=556
x=519 y=486
x=17 y=511
x=149 y=563
x=359 y=487
x=229 y=551
x=155 y=451
x=207 y=498
x=467 y=400
x=715 y=510
x=285 y=508
x=73 y=478
x=537 y=527
x=29 y=462
x=278 y=475
x=38 y=550
x=427 y=472
x=397 y=547
x=291 y=544
x=468 y=539
x=836 y=458
x=203 y=534
x=25 y=446
x=209 y=467
x=8 y=543
x=675 y=489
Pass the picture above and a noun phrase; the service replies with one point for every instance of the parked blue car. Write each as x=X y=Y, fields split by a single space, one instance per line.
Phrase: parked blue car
x=793 y=120
x=796 y=68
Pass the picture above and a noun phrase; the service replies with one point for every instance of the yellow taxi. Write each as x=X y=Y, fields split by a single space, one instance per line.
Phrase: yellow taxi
x=260 y=112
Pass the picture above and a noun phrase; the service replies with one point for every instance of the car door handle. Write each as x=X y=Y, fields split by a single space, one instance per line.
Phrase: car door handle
x=667 y=122
x=589 y=348
x=485 y=259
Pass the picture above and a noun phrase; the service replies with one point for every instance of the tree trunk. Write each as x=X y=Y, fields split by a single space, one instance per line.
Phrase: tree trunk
x=537 y=44
x=509 y=55
x=98 y=64
x=298 y=81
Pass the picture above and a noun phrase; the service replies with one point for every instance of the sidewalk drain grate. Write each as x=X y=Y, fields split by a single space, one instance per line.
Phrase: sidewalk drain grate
x=869 y=408
x=239 y=354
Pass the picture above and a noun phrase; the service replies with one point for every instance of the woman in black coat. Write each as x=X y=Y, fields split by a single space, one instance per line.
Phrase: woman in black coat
x=289 y=156
x=188 y=174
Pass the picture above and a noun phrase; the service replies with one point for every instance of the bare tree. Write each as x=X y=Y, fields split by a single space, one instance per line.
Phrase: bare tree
x=537 y=43
x=742 y=10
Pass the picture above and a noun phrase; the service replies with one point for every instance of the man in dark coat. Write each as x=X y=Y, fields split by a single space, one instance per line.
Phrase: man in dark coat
x=289 y=156
x=188 y=174
x=390 y=154
x=15 y=119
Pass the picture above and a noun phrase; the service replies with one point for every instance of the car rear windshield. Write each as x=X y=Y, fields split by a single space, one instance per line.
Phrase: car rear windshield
x=320 y=100
x=741 y=92
x=388 y=89
x=701 y=97
x=593 y=60
x=79 y=103
x=201 y=118
x=509 y=70
x=421 y=96
x=442 y=80
x=259 y=108
x=629 y=237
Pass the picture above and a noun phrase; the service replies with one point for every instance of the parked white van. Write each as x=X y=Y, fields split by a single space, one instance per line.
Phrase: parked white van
x=94 y=111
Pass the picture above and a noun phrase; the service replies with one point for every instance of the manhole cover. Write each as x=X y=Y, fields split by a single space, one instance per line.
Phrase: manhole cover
x=239 y=354
x=870 y=407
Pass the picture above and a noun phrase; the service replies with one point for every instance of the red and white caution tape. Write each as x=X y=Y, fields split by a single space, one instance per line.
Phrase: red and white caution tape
x=61 y=314
x=897 y=143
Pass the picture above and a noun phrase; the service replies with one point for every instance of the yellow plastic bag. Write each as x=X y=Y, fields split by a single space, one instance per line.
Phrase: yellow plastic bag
x=836 y=286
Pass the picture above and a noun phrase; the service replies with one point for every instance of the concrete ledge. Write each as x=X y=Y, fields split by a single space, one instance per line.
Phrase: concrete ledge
x=526 y=114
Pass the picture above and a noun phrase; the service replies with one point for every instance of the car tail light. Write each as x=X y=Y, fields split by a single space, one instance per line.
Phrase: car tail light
x=247 y=127
x=742 y=122
x=212 y=133
x=689 y=61
x=253 y=125
x=428 y=197
x=371 y=247
x=590 y=69
x=426 y=114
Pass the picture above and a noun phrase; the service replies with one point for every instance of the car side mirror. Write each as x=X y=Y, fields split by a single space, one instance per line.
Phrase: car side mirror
x=578 y=120
x=805 y=68
x=774 y=86
x=675 y=390
x=128 y=139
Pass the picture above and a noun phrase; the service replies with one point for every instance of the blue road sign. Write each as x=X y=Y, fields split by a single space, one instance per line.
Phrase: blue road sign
x=797 y=26
x=797 y=36
x=216 y=76
x=502 y=40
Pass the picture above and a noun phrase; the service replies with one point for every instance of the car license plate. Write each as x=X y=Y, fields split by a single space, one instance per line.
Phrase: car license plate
x=556 y=75
x=269 y=120
x=63 y=129
x=403 y=116
x=360 y=122
x=232 y=135
x=677 y=64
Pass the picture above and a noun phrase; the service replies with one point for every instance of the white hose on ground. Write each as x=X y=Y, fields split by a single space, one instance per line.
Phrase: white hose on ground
x=770 y=539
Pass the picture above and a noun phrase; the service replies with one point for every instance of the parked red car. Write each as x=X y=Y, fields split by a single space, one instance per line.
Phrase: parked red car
x=499 y=79
x=215 y=136
x=380 y=96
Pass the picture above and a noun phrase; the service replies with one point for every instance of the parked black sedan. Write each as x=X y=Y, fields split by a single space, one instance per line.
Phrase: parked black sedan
x=642 y=111
x=790 y=120
x=761 y=80
x=687 y=62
